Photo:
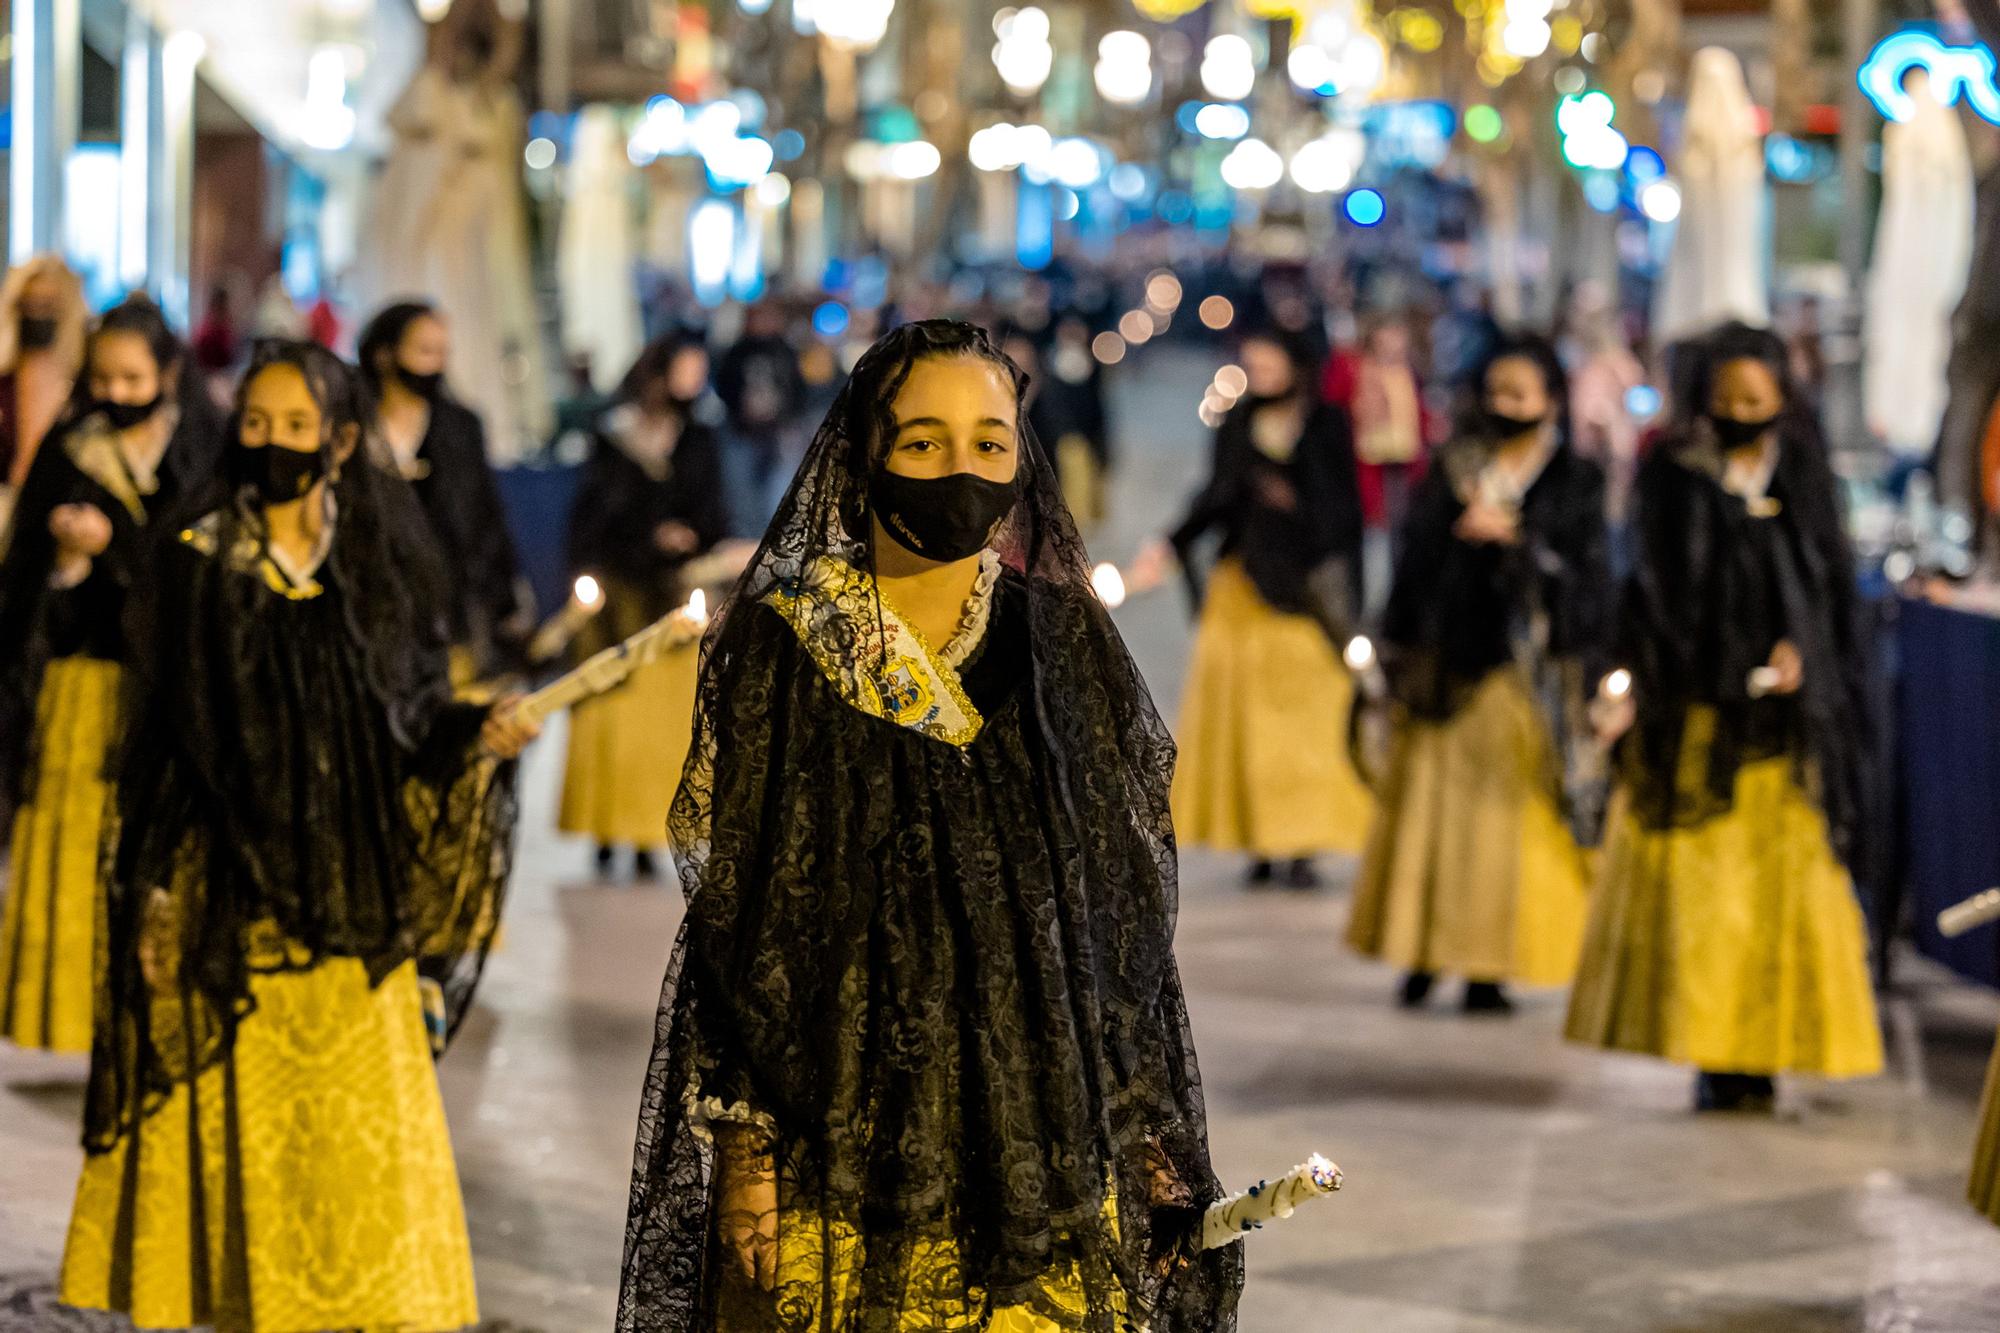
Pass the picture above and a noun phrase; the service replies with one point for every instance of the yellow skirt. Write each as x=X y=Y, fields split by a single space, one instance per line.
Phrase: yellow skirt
x=813 y=1253
x=1083 y=481
x=1735 y=946
x=1264 y=767
x=49 y=935
x=305 y=1183
x=1470 y=869
x=1984 y=1191
x=626 y=751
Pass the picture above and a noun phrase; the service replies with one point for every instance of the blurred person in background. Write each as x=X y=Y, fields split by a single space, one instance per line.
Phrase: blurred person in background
x=1725 y=932
x=650 y=500
x=1264 y=768
x=1383 y=396
x=439 y=446
x=763 y=392
x=42 y=321
x=217 y=345
x=135 y=455
x=1604 y=371
x=1493 y=641
x=1066 y=407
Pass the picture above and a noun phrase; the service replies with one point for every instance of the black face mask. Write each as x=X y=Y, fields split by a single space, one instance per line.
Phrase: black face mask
x=37 y=332
x=941 y=518
x=279 y=475
x=1505 y=427
x=1734 y=434
x=426 y=387
x=124 y=416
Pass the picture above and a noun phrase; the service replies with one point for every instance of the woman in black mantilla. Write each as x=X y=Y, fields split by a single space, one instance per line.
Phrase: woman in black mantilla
x=1725 y=933
x=439 y=447
x=1264 y=765
x=923 y=1061
x=137 y=447
x=307 y=824
x=1494 y=643
x=651 y=499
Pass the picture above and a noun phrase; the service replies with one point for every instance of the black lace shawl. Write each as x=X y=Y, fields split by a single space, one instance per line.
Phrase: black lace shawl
x=1713 y=590
x=297 y=786
x=80 y=463
x=944 y=973
x=1281 y=547
x=1460 y=610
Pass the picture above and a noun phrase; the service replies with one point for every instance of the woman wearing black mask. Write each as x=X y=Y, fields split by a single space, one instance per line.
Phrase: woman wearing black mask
x=1265 y=769
x=1725 y=932
x=307 y=822
x=136 y=449
x=923 y=1060
x=650 y=500
x=1493 y=642
x=439 y=447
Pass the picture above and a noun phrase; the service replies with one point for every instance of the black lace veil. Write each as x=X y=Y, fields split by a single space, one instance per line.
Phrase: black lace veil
x=296 y=784
x=1104 y=808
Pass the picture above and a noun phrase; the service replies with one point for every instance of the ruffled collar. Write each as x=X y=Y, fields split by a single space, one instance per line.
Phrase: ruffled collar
x=971 y=631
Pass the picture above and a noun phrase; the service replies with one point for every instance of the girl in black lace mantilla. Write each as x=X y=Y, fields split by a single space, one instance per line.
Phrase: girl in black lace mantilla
x=923 y=1061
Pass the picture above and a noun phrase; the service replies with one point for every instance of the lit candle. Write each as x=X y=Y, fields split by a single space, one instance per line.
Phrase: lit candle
x=1360 y=654
x=1109 y=585
x=1618 y=684
x=586 y=599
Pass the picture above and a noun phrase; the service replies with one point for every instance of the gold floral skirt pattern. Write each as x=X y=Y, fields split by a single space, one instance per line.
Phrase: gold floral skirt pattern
x=1471 y=870
x=1984 y=1190
x=1735 y=946
x=818 y=1262
x=626 y=750
x=1264 y=766
x=49 y=934
x=306 y=1183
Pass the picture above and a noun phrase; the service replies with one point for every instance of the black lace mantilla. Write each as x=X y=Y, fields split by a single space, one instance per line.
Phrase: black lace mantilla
x=925 y=981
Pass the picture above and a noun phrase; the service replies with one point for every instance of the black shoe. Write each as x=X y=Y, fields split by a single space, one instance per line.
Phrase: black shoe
x=1301 y=875
x=605 y=853
x=643 y=868
x=1260 y=874
x=1751 y=1093
x=1416 y=989
x=1486 y=997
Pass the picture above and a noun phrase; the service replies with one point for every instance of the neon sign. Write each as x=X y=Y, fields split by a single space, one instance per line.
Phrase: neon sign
x=1956 y=72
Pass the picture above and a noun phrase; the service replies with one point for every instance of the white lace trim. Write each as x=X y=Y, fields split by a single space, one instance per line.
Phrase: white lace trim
x=971 y=631
x=704 y=1113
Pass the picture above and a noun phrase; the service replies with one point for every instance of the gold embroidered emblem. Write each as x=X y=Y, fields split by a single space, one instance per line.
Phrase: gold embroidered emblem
x=905 y=696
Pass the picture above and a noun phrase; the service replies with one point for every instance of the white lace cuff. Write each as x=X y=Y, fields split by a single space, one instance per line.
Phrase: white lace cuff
x=704 y=1113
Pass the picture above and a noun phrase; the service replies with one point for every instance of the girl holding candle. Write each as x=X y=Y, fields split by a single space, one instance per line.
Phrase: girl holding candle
x=137 y=447
x=1494 y=637
x=651 y=499
x=1265 y=769
x=1725 y=933
x=923 y=1060
x=306 y=820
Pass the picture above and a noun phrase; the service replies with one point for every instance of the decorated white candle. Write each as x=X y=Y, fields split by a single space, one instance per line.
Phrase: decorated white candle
x=1268 y=1200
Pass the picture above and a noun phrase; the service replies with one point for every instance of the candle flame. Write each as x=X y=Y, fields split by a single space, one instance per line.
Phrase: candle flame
x=589 y=592
x=697 y=607
x=1360 y=653
x=1618 y=684
x=1109 y=585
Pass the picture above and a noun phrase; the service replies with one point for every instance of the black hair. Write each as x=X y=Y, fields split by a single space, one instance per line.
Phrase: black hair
x=384 y=333
x=879 y=375
x=1737 y=341
x=656 y=359
x=1524 y=345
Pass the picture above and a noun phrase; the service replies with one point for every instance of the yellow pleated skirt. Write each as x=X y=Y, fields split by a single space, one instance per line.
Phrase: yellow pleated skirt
x=1984 y=1189
x=305 y=1183
x=1735 y=946
x=1264 y=766
x=626 y=751
x=49 y=934
x=1470 y=869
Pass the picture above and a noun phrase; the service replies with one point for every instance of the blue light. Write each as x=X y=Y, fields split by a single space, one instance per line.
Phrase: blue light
x=830 y=320
x=1600 y=190
x=1067 y=204
x=1184 y=117
x=1175 y=207
x=1642 y=401
x=1789 y=160
x=790 y=145
x=1365 y=208
x=1956 y=72
x=1645 y=164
